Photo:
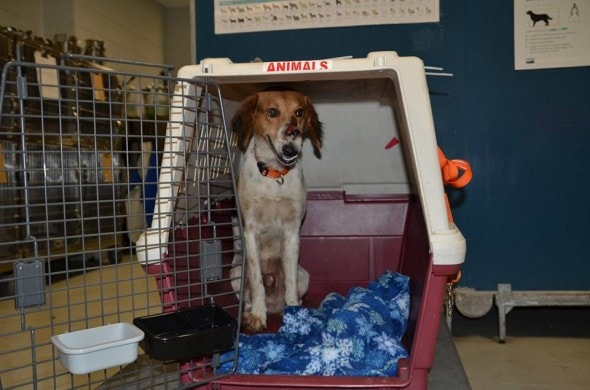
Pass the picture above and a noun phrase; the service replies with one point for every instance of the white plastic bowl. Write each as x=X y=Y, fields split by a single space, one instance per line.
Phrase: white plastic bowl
x=98 y=348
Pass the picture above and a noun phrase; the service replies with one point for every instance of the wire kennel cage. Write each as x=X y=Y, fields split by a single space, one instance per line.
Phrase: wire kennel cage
x=85 y=150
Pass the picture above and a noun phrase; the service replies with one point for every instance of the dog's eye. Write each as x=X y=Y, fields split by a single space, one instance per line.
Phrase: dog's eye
x=299 y=113
x=272 y=112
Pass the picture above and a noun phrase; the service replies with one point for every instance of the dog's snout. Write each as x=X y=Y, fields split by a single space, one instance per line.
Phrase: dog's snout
x=292 y=130
x=289 y=150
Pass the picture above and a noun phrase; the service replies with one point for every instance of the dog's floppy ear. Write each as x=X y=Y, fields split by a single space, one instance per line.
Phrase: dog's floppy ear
x=243 y=122
x=313 y=129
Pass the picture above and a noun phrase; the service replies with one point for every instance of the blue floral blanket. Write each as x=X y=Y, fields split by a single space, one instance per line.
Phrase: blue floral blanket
x=356 y=335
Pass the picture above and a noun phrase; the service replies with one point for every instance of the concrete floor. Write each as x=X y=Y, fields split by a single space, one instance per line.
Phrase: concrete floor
x=546 y=348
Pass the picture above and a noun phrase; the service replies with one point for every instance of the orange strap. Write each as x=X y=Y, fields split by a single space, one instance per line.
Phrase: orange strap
x=272 y=173
x=456 y=173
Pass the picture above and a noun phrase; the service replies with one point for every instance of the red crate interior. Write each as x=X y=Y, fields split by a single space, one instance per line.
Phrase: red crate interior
x=346 y=241
x=183 y=252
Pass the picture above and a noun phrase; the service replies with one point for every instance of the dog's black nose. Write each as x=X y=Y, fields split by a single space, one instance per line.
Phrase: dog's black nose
x=289 y=150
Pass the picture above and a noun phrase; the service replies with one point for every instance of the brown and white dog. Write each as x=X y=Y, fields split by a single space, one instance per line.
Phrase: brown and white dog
x=271 y=127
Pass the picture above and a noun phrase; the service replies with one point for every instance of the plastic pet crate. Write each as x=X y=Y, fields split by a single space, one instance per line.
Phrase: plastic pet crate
x=376 y=200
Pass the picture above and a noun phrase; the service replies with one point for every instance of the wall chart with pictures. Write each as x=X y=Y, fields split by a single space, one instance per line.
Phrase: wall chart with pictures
x=551 y=33
x=239 y=16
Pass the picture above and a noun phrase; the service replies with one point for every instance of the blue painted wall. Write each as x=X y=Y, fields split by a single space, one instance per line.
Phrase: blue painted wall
x=526 y=134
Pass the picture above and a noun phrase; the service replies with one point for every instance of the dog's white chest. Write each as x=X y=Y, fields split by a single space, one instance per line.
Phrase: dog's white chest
x=271 y=201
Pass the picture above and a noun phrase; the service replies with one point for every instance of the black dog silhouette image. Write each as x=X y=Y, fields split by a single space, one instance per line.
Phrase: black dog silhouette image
x=539 y=18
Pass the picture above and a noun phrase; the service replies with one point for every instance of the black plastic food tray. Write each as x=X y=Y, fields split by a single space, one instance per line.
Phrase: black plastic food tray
x=187 y=334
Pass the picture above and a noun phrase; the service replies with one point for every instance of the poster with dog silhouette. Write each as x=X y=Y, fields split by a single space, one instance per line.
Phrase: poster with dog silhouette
x=238 y=16
x=551 y=33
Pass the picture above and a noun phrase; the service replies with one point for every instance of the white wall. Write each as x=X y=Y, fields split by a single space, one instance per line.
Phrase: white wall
x=178 y=37
x=58 y=18
x=26 y=14
x=131 y=29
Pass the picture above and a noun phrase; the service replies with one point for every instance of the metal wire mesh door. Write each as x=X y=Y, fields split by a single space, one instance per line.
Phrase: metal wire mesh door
x=117 y=200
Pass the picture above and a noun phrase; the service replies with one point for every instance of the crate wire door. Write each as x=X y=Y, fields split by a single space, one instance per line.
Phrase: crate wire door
x=81 y=153
x=196 y=195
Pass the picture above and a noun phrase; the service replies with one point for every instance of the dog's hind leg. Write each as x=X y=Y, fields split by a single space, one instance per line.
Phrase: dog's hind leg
x=302 y=283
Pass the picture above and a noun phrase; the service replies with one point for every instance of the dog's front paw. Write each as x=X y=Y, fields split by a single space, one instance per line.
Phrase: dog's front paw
x=253 y=323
